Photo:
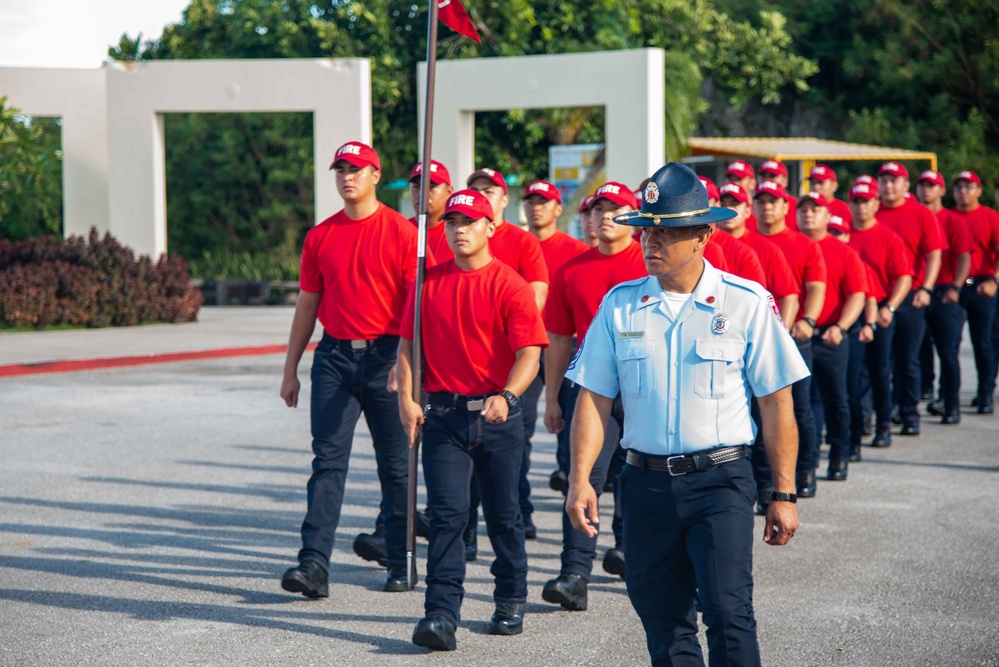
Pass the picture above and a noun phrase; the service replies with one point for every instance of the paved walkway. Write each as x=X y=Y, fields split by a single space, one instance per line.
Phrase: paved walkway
x=146 y=515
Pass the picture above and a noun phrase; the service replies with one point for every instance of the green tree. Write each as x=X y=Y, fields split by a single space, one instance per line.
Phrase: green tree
x=746 y=60
x=30 y=175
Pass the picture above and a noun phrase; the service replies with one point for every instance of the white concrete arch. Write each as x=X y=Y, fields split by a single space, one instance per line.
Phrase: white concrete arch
x=629 y=84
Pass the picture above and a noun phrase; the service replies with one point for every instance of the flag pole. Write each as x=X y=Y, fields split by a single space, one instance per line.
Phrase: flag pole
x=421 y=268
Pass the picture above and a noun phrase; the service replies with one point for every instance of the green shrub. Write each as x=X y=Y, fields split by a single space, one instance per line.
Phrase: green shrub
x=93 y=282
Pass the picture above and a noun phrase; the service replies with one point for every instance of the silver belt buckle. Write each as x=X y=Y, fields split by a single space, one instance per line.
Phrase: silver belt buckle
x=476 y=405
x=669 y=466
x=358 y=344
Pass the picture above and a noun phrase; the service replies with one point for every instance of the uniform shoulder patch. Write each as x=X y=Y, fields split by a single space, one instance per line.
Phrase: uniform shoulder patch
x=775 y=310
x=575 y=357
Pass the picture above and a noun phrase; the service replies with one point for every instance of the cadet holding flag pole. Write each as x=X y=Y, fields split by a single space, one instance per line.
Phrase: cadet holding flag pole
x=454 y=16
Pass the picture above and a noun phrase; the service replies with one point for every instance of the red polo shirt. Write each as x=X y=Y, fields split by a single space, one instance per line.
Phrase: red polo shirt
x=884 y=251
x=581 y=284
x=521 y=251
x=918 y=228
x=805 y=258
x=845 y=276
x=473 y=324
x=983 y=223
x=363 y=269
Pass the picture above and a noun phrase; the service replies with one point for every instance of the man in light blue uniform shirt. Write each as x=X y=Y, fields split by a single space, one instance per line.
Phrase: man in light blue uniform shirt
x=687 y=348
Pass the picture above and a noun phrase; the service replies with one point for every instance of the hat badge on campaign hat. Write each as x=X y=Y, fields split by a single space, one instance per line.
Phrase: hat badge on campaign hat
x=681 y=201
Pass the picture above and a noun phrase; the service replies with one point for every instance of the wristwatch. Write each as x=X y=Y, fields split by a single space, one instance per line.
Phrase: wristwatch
x=809 y=321
x=872 y=325
x=511 y=399
x=891 y=308
x=784 y=497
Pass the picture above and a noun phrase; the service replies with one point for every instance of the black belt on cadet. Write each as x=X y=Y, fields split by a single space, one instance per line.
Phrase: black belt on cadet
x=446 y=399
x=355 y=345
x=974 y=280
x=683 y=464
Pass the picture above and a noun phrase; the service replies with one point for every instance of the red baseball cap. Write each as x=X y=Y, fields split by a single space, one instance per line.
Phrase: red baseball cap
x=733 y=190
x=893 y=169
x=772 y=188
x=586 y=204
x=932 y=177
x=740 y=169
x=969 y=176
x=838 y=225
x=815 y=197
x=866 y=178
x=438 y=173
x=710 y=186
x=544 y=189
x=866 y=191
x=773 y=167
x=492 y=175
x=470 y=202
x=358 y=154
x=617 y=193
x=821 y=172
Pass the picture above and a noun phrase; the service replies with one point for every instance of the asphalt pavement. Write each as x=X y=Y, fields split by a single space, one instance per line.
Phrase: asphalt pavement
x=147 y=513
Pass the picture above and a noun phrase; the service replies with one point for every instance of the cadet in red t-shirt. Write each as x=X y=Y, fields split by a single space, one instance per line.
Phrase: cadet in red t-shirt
x=357 y=268
x=482 y=337
x=742 y=174
x=822 y=179
x=885 y=252
x=920 y=230
x=521 y=251
x=722 y=252
x=440 y=190
x=585 y=222
x=809 y=268
x=778 y=279
x=845 y=296
x=861 y=334
x=945 y=316
x=542 y=207
x=776 y=171
x=577 y=290
x=978 y=296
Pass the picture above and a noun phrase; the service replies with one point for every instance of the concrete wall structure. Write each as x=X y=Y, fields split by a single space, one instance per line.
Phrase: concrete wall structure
x=79 y=97
x=116 y=179
x=630 y=85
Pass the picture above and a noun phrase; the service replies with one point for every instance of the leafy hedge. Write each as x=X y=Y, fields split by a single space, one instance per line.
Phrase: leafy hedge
x=93 y=282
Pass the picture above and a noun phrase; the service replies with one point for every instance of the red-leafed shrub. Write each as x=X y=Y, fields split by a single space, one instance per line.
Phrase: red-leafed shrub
x=94 y=281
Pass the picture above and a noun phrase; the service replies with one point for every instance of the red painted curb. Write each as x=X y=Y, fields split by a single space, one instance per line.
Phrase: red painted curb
x=71 y=365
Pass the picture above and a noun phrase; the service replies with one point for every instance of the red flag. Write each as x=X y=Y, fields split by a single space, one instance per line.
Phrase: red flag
x=453 y=15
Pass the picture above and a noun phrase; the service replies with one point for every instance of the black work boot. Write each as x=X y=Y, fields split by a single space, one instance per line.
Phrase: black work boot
x=568 y=590
x=309 y=579
x=508 y=619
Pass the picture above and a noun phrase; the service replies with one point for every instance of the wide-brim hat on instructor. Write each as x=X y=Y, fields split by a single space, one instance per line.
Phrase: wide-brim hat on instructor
x=675 y=197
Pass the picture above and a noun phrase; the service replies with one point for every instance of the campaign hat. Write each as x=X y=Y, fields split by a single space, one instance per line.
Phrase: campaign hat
x=438 y=173
x=358 y=154
x=470 y=202
x=543 y=189
x=492 y=175
x=675 y=197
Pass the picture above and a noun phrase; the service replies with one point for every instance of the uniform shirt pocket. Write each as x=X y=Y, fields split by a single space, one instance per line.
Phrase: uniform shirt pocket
x=717 y=367
x=634 y=361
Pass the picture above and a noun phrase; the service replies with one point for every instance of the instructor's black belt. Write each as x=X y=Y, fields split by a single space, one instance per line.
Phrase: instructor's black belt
x=682 y=464
x=448 y=400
